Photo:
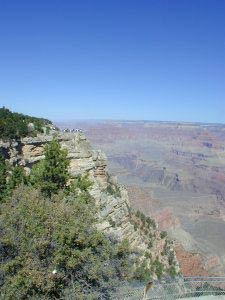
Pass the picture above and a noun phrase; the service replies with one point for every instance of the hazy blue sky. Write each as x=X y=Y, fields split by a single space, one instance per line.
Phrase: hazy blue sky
x=118 y=59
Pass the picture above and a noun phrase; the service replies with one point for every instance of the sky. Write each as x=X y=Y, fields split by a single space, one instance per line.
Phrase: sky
x=114 y=59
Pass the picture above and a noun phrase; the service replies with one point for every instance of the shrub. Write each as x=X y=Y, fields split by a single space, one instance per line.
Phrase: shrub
x=39 y=235
x=172 y=271
x=9 y=181
x=3 y=174
x=148 y=255
x=158 y=267
x=163 y=234
x=142 y=217
x=113 y=190
x=138 y=214
x=142 y=272
x=123 y=248
x=150 y=244
x=17 y=177
x=80 y=182
x=151 y=222
x=135 y=227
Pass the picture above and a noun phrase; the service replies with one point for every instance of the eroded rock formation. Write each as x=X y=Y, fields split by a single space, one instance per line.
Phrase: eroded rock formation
x=116 y=217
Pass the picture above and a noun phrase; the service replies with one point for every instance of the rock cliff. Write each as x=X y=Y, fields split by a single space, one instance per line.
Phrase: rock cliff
x=152 y=248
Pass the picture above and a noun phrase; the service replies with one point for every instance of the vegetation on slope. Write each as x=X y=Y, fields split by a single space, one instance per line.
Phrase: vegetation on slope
x=16 y=125
x=10 y=178
x=39 y=235
x=3 y=175
x=148 y=227
x=49 y=245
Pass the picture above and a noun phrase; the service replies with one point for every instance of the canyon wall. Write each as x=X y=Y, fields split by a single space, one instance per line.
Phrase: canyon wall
x=152 y=249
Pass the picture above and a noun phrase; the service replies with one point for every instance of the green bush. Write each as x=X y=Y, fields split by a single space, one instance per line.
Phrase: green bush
x=142 y=272
x=150 y=244
x=10 y=177
x=3 y=175
x=138 y=214
x=81 y=182
x=148 y=255
x=151 y=222
x=158 y=268
x=163 y=234
x=123 y=248
x=135 y=227
x=172 y=271
x=113 y=190
x=39 y=235
x=142 y=217
x=17 y=177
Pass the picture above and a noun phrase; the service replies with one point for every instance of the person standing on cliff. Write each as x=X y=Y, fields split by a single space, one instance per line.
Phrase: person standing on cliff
x=148 y=286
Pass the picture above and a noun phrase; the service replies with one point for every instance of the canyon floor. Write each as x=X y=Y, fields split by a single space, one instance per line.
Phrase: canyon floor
x=174 y=172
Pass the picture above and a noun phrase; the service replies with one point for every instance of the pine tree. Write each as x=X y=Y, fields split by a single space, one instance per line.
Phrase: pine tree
x=18 y=176
x=55 y=169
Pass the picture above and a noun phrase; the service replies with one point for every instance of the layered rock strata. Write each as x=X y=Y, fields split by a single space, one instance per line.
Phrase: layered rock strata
x=115 y=214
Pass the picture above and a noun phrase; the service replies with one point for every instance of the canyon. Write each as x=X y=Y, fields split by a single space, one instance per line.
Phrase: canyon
x=151 y=249
x=175 y=173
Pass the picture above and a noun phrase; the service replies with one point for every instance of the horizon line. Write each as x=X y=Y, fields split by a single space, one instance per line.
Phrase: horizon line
x=136 y=120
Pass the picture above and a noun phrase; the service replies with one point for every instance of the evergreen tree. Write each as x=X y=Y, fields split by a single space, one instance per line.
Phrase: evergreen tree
x=36 y=174
x=18 y=176
x=55 y=172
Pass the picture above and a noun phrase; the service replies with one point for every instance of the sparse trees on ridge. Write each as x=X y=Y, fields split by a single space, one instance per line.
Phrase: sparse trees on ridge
x=15 y=125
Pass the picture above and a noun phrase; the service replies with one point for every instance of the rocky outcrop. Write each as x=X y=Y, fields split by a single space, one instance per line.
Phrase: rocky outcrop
x=115 y=214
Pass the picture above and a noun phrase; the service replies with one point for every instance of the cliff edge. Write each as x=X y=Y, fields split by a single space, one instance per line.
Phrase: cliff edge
x=151 y=248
